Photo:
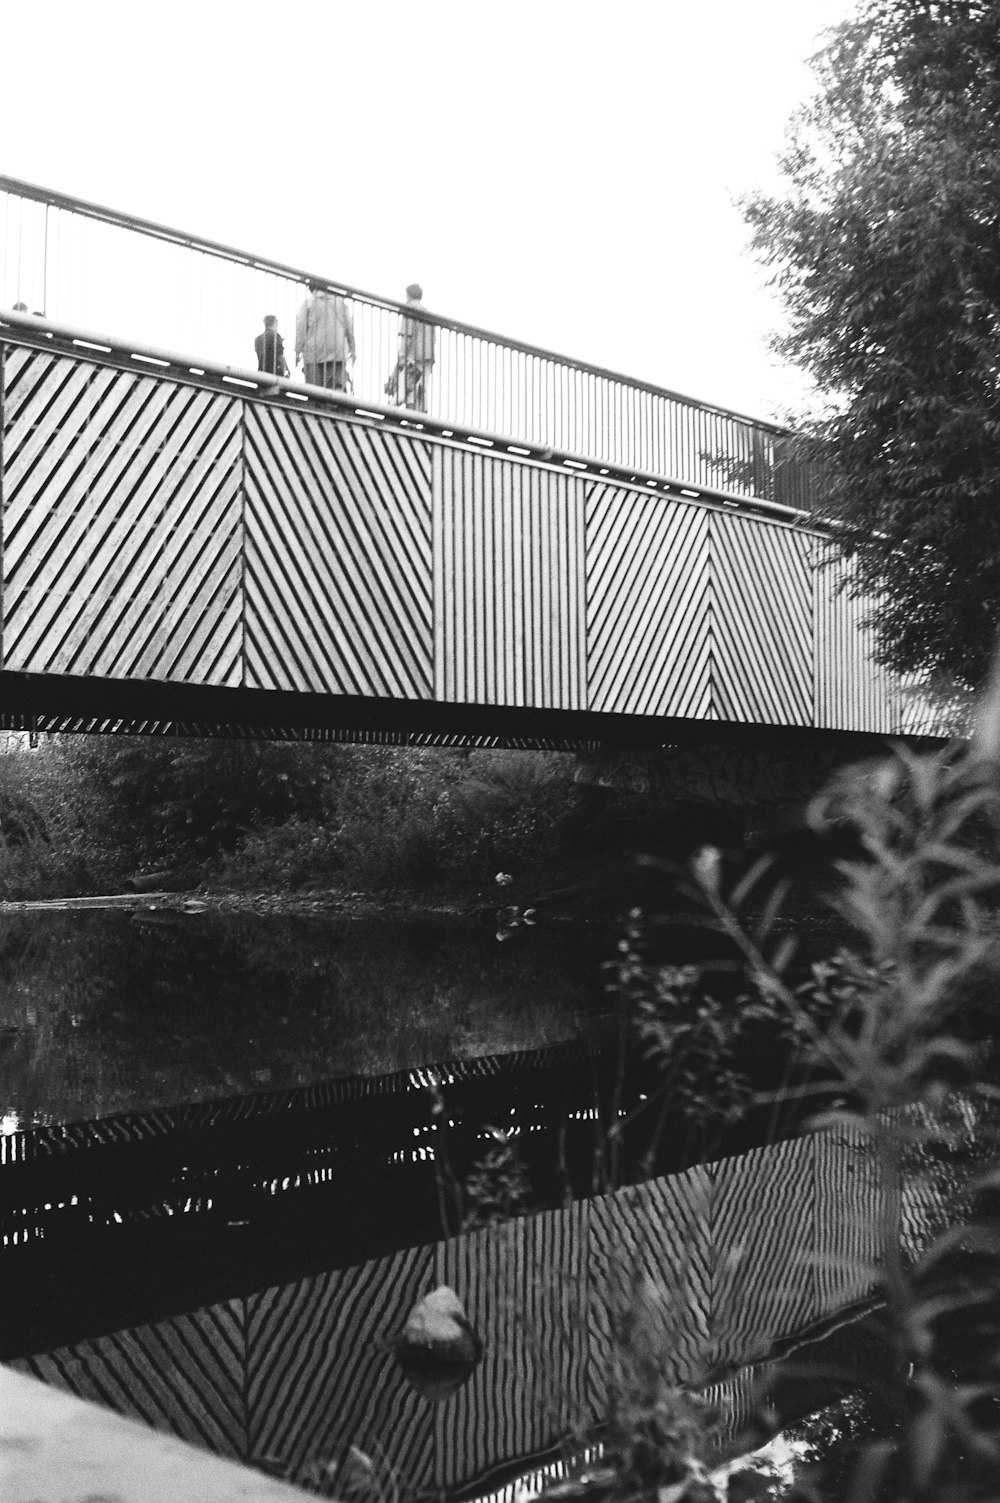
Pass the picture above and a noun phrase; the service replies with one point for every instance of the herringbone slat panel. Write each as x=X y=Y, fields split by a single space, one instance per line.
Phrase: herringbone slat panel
x=647 y=604
x=762 y=627
x=508 y=583
x=121 y=524
x=338 y=557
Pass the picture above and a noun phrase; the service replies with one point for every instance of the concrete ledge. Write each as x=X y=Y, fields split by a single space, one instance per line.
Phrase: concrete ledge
x=56 y=1448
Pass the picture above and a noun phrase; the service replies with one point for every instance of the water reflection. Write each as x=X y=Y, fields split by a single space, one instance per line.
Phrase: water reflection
x=730 y=1260
x=134 y=1216
x=233 y=1268
x=105 y=1012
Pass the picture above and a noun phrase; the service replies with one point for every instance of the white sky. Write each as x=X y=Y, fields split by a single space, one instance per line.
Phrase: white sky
x=556 y=170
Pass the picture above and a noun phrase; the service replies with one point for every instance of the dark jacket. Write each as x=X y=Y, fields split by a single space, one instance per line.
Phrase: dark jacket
x=271 y=353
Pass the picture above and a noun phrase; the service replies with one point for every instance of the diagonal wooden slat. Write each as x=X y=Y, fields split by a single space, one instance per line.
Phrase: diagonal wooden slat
x=127 y=532
x=183 y=1375
x=156 y=571
x=647 y=596
x=338 y=582
x=321 y=1378
x=761 y=622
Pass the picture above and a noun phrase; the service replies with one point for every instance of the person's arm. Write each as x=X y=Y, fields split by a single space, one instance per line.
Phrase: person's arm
x=300 y=332
x=349 y=331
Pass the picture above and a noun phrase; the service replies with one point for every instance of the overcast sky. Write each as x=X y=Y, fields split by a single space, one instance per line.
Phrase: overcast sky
x=558 y=171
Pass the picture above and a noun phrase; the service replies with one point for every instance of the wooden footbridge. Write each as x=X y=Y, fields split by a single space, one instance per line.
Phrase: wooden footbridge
x=550 y=554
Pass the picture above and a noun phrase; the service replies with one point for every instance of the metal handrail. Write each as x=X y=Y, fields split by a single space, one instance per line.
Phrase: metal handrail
x=612 y=417
x=239 y=257
x=242 y=381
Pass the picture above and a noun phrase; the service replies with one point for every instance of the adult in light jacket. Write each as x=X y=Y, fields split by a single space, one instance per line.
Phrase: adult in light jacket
x=324 y=338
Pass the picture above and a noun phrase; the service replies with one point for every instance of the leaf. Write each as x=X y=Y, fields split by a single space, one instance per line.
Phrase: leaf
x=973 y=1238
x=925 y=1443
x=745 y=886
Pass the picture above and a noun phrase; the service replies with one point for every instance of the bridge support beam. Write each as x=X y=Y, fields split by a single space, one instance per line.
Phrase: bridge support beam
x=695 y=756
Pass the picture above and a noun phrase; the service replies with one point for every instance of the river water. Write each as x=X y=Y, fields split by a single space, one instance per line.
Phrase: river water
x=232 y=1158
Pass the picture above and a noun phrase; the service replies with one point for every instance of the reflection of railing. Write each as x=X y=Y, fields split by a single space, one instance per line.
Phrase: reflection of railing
x=79 y=263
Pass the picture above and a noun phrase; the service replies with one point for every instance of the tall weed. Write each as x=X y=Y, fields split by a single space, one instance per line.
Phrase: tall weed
x=889 y=1027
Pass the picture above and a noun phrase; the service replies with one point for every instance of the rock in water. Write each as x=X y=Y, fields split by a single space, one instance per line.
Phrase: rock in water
x=438 y=1330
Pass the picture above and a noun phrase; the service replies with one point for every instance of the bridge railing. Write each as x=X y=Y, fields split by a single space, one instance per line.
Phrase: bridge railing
x=81 y=264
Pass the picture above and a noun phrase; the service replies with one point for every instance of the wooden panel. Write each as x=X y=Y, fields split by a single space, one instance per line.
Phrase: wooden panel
x=921 y=712
x=647 y=604
x=651 y=1242
x=762 y=622
x=847 y=1228
x=852 y=692
x=338 y=560
x=524 y=1286
x=320 y=1377
x=508 y=583
x=121 y=524
x=186 y=1375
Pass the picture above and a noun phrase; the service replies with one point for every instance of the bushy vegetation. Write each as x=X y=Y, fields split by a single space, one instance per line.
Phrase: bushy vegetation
x=410 y=819
x=80 y=815
x=883 y=246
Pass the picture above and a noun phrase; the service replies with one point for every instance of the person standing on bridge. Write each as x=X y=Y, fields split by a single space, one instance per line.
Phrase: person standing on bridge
x=416 y=353
x=270 y=349
x=324 y=338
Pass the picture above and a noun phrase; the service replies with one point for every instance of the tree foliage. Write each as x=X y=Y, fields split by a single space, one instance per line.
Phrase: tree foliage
x=885 y=247
x=164 y=801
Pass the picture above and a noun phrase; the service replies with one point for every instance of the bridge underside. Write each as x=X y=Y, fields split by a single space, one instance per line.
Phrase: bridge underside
x=66 y=704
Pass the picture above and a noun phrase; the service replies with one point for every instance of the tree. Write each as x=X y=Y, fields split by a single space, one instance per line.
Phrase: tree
x=170 y=800
x=885 y=246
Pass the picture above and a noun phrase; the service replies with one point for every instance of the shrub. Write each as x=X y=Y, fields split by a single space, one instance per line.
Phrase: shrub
x=879 y=1022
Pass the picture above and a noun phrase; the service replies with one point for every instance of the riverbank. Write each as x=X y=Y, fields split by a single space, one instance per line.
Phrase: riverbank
x=338 y=826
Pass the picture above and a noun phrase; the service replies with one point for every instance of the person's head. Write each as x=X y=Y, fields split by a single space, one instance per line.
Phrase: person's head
x=270 y=321
x=414 y=292
x=315 y=286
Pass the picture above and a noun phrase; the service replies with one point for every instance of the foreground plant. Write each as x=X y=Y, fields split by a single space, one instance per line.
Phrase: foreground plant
x=886 y=1028
x=882 y=1022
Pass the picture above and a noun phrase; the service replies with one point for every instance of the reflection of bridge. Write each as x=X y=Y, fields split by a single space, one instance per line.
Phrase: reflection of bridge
x=552 y=552
x=745 y=1253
